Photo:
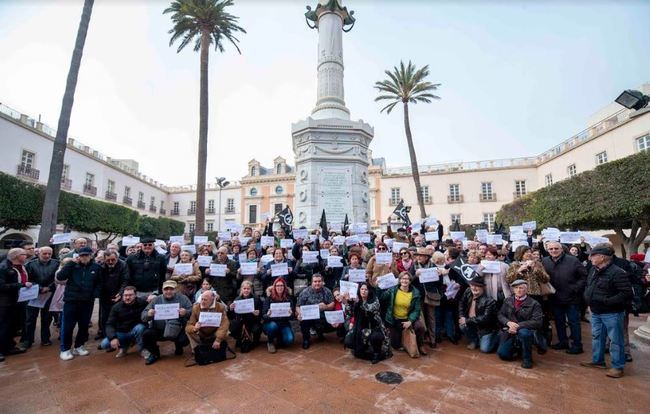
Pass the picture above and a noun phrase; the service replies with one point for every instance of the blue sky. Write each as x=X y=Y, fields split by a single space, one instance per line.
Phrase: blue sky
x=517 y=77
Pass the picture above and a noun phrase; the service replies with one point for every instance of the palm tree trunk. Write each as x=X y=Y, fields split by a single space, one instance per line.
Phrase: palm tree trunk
x=51 y=203
x=203 y=136
x=414 y=161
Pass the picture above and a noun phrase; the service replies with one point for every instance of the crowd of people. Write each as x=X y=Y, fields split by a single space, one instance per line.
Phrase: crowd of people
x=378 y=294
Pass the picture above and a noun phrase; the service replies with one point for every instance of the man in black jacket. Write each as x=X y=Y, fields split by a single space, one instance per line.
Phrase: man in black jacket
x=608 y=294
x=124 y=325
x=83 y=276
x=40 y=272
x=114 y=276
x=568 y=277
x=147 y=269
x=477 y=317
x=13 y=277
x=520 y=316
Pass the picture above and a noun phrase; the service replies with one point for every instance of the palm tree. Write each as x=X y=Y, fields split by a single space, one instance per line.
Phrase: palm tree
x=205 y=22
x=53 y=190
x=407 y=85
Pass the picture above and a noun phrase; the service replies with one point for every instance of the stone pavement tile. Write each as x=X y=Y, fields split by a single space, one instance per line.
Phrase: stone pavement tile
x=234 y=398
x=270 y=403
x=339 y=402
x=580 y=404
x=10 y=388
x=399 y=401
x=474 y=399
x=273 y=378
x=156 y=393
x=304 y=392
x=91 y=394
x=37 y=402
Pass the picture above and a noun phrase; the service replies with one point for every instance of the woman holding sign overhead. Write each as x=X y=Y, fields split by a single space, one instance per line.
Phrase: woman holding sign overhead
x=277 y=311
x=403 y=312
x=333 y=268
x=244 y=318
x=187 y=274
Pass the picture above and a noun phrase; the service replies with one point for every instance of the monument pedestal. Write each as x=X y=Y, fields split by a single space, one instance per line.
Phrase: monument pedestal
x=331 y=170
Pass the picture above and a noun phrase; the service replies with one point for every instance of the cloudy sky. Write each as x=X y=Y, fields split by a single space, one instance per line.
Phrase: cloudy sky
x=517 y=77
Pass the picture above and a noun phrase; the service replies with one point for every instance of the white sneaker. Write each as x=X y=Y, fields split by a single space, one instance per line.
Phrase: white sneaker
x=66 y=355
x=145 y=354
x=121 y=353
x=81 y=351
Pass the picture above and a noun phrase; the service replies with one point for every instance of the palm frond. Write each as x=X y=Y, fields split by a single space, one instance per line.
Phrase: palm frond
x=405 y=83
x=389 y=107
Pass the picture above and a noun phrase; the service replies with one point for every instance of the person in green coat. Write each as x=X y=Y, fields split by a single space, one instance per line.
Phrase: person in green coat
x=403 y=311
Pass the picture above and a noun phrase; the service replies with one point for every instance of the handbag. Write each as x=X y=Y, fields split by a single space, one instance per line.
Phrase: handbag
x=205 y=354
x=546 y=289
x=432 y=298
x=410 y=343
x=173 y=328
x=246 y=341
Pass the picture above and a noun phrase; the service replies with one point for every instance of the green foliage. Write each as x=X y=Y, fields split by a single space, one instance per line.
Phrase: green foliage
x=17 y=202
x=406 y=84
x=160 y=228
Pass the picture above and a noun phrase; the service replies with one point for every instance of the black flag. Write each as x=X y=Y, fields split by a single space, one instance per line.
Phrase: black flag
x=402 y=212
x=286 y=218
x=346 y=225
x=323 y=225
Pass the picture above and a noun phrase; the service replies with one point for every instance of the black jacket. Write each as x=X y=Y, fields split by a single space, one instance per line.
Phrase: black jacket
x=147 y=273
x=528 y=316
x=124 y=317
x=84 y=281
x=9 y=284
x=608 y=289
x=486 y=312
x=41 y=273
x=568 y=277
x=113 y=280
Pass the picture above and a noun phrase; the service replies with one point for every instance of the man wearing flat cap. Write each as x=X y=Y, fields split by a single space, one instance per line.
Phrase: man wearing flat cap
x=477 y=317
x=147 y=269
x=520 y=316
x=608 y=292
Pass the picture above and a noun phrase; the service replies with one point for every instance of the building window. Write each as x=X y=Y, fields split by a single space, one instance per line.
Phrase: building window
x=253 y=193
x=571 y=170
x=230 y=205
x=210 y=204
x=643 y=143
x=278 y=169
x=520 y=188
x=395 y=196
x=27 y=160
x=210 y=226
x=548 y=179
x=253 y=171
x=601 y=158
x=110 y=187
x=192 y=227
x=252 y=214
x=486 y=190
x=152 y=201
x=127 y=191
x=425 y=193
x=277 y=208
x=488 y=219
x=278 y=189
x=90 y=179
x=455 y=218
x=140 y=197
x=454 y=193
x=176 y=207
x=66 y=172
x=193 y=205
x=162 y=205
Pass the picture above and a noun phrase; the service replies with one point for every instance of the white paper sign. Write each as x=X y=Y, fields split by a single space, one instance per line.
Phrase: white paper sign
x=166 y=311
x=40 y=300
x=160 y=250
x=431 y=236
x=130 y=241
x=452 y=290
x=309 y=257
x=190 y=248
x=210 y=319
x=248 y=269
x=266 y=258
x=364 y=238
x=266 y=241
x=517 y=244
x=224 y=236
x=333 y=317
x=300 y=234
x=491 y=266
x=324 y=253
x=457 y=235
x=279 y=269
x=350 y=288
x=397 y=246
x=529 y=225
x=241 y=257
x=204 y=261
x=494 y=239
x=61 y=238
x=338 y=240
x=313 y=237
x=389 y=243
x=200 y=239
x=647 y=258
x=309 y=312
x=520 y=236
x=177 y=239
x=516 y=229
x=431 y=221
x=230 y=256
x=286 y=243
x=218 y=270
x=244 y=306
x=384 y=258
x=357 y=228
x=429 y=275
x=280 y=310
x=481 y=235
x=357 y=275
x=28 y=293
x=235 y=228
x=351 y=240
x=551 y=233
x=387 y=281
x=243 y=241
x=183 y=269
x=334 y=261
x=570 y=237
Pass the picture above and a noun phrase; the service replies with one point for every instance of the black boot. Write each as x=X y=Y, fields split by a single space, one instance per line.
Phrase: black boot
x=375 y=358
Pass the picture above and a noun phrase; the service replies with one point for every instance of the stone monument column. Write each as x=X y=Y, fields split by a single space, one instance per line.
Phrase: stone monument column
x=331 y=151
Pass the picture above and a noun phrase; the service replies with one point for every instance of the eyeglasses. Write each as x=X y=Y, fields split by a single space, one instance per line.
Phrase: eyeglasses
x=147 y=244
x=381 y=248
x=553 y=248
x=405 y=253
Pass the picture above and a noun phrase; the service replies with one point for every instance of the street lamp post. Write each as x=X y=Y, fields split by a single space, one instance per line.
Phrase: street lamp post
x=222 y=183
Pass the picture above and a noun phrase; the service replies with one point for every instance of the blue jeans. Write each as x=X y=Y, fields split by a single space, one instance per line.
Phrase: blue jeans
x=445 y=317
x=127 y=338
x=75 y=313
x=571 y=312
x=487 y=343
x=608 y=325
x=283 y=334
x=507 y=344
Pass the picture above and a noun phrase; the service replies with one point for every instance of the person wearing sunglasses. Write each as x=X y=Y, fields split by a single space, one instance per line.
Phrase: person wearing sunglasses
x=404 y=263
x=147 y=269
x=374 y=269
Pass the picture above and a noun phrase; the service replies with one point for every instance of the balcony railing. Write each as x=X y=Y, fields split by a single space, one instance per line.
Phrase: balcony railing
x=483 y=197
x=111 y=196
x=453 y=199
x=191 y=211
x=153 y=209
x=209 y=210
x=163 y=212
x=28 y=172
x=90 y=190
x=142 y=205
x=174 y=213
x=127 y=200
x=517 y=194
x=229 y=210
x=66 y=183
x=393 y=201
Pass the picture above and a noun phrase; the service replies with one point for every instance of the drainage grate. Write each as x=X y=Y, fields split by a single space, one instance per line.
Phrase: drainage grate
x=388 y=377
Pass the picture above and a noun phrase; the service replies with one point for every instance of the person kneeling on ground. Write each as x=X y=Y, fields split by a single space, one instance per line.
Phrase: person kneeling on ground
x=403 y=312
x=316 y=294
x=199 y=334
x=367 y=335
x=169 y=329
x=246 y=327
x=124 y=324
x=520 y=316
x=477 y=317
x=278 y=327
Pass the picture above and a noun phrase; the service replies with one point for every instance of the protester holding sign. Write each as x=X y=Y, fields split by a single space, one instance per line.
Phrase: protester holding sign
x=431 y=292
x=207 y=333
x=40 y=272
x=246 y=327
x=404 y=262
x=279 y=256
x=147 y=269
x=276 y=324
x=355 y=265
x=13 y=277
x=316 y=294
x=333 y=272
x=496 y=285
x=187 y=281
x=374 y=269
x=305 y=267
x=225 y=286
x=403 y=312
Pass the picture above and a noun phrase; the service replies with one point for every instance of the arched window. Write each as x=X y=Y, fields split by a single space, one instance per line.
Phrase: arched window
x=279 y=169
x=253 y=171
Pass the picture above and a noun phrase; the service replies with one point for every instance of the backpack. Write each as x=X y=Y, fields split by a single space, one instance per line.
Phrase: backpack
x=205 y=354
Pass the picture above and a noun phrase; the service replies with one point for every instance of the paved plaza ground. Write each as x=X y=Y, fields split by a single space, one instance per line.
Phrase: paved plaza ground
x=325 y=378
